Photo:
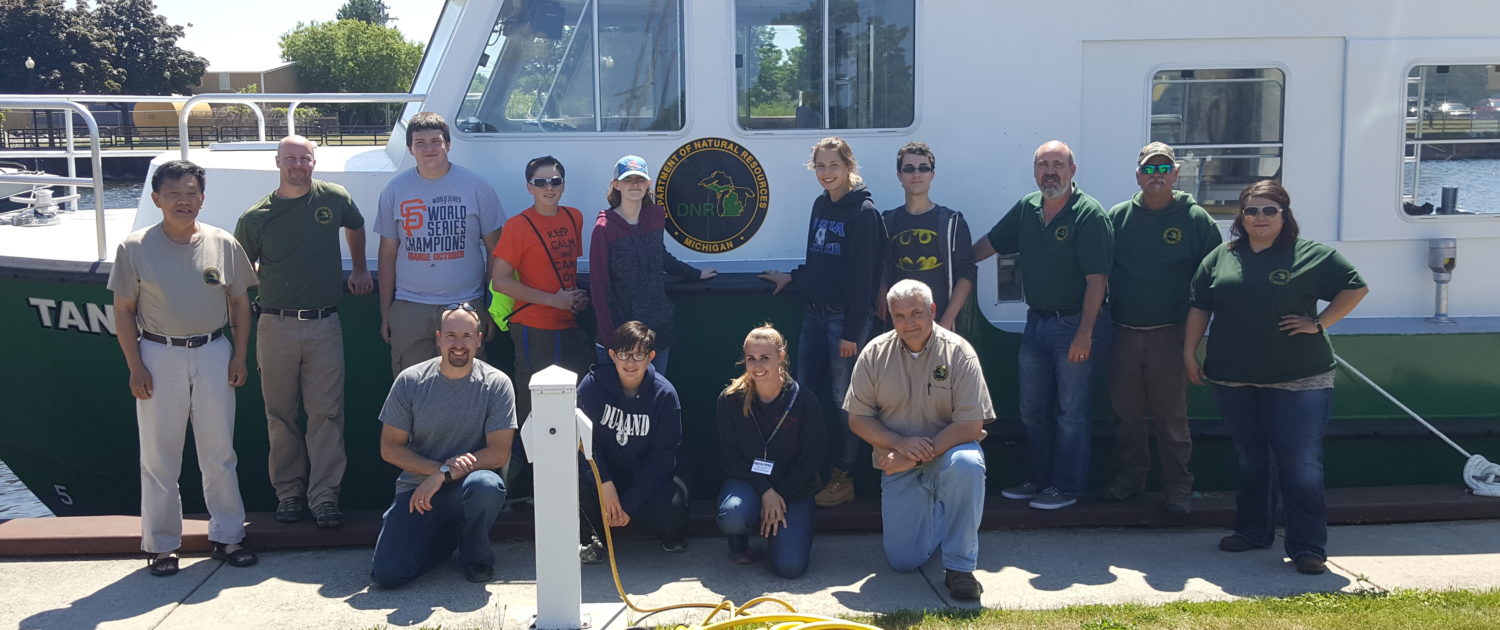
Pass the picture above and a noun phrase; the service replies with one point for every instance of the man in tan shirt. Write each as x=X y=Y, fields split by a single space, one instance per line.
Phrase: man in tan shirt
x=918 y=397
x=178 y=284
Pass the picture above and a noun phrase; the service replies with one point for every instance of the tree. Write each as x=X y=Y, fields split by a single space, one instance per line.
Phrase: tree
x=71 y=54
x=145 y=48
x=368 y=11
x=352 y=56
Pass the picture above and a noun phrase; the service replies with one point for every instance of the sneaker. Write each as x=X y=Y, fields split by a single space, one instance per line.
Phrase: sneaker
x=291 y=509
x=592 y=553
x=327 y=515
x=1310 y=564
x=1118 y=490
x=478 y=573
x=1052 y=499
x=840 y=490
x=1235 y=543
x=1178 y=504
x=1022 y=492
x=962 y=585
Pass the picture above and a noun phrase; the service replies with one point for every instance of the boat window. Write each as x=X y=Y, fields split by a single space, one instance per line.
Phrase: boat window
x=1226 y=126
x=1452 y=140
x=540 y=71
x=818 y=64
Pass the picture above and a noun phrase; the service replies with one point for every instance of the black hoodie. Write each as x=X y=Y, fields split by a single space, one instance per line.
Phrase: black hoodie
x=635 y=438
x=844 y=242
x=797 y=449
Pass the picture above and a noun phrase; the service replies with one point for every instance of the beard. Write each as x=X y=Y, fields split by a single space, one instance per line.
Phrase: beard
x=458 y=361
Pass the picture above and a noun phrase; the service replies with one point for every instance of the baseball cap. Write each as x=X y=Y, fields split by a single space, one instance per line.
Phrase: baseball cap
x=1154 y=149
x=631 y=165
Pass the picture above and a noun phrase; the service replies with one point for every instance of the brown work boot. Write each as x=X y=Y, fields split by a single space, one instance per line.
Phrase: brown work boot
x=962 y=585
x=840 y=490
x=1119 y=490
x=1178 y=503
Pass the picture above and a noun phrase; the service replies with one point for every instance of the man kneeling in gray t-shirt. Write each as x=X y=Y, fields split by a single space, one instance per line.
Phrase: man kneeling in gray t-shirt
x=448 y=422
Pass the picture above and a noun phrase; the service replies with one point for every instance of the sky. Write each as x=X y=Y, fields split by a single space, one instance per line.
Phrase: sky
x=245 y=36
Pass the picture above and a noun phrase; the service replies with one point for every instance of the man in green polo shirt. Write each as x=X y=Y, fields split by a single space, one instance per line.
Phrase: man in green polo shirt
x=1161 y=235
x=1066 y=249
x=292 y=237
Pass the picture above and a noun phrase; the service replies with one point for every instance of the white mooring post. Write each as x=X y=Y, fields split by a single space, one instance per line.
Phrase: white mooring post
x=551 y=438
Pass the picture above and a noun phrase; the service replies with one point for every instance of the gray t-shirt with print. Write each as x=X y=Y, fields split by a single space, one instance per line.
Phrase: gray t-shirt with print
x=439 y=227
x=444 y=416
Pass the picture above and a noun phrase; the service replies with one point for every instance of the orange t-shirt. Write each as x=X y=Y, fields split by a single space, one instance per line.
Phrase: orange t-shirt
x=520 y=246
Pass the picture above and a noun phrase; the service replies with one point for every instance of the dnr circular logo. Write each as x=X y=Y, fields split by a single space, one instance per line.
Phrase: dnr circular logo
x=715 y=193
x=212 y=277
x=1172 y=236
x=1061 y=233
x=940 y=373
x=323 y=215
x=1280 y=277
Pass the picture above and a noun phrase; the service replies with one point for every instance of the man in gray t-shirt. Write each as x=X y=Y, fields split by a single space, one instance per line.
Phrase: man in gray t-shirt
x=438 y=223
x=449 y=422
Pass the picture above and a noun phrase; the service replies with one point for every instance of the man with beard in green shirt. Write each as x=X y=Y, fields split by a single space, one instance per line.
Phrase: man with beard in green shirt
x=1161 y=235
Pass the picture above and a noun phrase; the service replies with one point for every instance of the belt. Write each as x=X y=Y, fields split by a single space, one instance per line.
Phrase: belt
x=188 y=342
x=302 y=314
x=1062 y=312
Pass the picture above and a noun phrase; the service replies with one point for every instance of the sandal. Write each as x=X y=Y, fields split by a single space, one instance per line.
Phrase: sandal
x=241 y=557
x=162 y=565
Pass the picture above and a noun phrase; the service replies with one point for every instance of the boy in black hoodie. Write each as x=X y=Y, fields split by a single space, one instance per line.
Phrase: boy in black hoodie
x=838 y=283
x=637 y=431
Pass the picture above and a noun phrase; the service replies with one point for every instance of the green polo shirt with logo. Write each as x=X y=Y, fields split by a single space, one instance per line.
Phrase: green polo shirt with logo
x=1156 y=253
x=1249 y=292
x=296 y=244
x=1055 y=257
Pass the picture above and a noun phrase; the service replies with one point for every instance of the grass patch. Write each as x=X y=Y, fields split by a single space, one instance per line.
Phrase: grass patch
x=1370 y=610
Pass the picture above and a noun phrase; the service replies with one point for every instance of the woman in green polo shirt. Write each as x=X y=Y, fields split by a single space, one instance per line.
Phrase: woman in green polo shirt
x=1271 y=366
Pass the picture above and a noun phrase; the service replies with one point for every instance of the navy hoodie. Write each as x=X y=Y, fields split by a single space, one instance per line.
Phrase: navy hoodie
x=844 y=242
x=636 y=438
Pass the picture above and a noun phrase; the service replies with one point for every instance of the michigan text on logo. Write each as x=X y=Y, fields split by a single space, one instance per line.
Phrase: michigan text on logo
x=716 y=195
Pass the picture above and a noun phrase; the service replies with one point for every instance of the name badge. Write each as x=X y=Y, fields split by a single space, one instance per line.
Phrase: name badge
x=762 y=466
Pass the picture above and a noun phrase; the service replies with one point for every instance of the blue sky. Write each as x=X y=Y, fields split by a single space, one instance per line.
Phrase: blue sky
x=244 y=36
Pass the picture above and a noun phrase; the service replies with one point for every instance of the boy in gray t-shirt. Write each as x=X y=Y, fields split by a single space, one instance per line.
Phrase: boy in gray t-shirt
x=448 y=425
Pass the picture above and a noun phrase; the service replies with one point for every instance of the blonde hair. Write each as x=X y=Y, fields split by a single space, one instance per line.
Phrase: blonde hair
x=846 y=153
x=763 y=333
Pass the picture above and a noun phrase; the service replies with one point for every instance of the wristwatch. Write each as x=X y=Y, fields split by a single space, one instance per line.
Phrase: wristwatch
x=447 y=473
x=1319 y=322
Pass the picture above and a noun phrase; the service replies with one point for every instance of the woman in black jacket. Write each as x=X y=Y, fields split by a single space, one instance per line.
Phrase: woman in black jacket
x=771 y=444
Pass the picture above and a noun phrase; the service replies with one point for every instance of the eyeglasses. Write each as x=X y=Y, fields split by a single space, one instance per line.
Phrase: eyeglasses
x=547 y=182
x=917 y=168
x=460 y=306
x=634 y=357
x=1269 y=211
x=1153 y=169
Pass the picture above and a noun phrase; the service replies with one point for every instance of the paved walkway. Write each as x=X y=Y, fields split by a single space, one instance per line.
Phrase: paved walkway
x=328 y=588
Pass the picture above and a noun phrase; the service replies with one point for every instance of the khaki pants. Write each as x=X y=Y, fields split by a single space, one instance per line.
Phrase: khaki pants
x=188 y=383
x=414 y=332
x=1148 y=388
x=303 y=359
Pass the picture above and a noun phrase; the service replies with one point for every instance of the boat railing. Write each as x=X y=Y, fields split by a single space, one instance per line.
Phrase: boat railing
x=72 y=181
x=293 y=101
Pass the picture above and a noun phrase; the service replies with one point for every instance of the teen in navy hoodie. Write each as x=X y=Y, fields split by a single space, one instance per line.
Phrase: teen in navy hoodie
x=838 y=285
x=637 y=431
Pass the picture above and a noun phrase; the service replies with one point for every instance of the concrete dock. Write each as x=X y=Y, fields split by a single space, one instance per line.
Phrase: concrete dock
x=329 y=588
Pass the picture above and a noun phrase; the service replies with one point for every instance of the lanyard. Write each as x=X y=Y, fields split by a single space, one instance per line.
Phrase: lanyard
x=766 y=448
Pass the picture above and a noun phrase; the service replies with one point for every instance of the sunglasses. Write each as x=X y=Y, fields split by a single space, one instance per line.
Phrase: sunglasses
x=917 y=168
x=1153 y=169
x=634 y=357
x=460 y=306
x=1269 y=211
x=547 y=182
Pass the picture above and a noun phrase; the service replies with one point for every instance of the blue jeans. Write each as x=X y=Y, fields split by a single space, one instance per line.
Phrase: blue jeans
x=601 y=354
x=822 y=370
x=1279 y=437
x=1054 y=399
x=739 y=517
x=462 y=514
x=937 y=504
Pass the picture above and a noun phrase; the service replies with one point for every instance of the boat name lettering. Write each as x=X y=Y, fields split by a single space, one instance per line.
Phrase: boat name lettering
x=92 y=319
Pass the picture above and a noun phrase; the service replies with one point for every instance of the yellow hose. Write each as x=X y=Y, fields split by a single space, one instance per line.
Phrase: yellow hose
x=790 y=620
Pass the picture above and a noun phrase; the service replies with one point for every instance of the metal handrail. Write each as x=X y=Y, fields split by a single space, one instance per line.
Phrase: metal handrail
x=291 y=99
x=95 y=160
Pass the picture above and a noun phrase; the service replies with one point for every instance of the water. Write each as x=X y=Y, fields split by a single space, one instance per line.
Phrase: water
x=117 y=194
x=15 y=500
x=1478 y=183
